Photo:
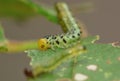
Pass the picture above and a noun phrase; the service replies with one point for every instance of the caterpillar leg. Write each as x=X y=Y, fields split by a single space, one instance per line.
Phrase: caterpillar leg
x=52 y=47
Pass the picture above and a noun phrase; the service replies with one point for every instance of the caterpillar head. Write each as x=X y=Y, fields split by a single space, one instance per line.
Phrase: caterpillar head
x=42 y=44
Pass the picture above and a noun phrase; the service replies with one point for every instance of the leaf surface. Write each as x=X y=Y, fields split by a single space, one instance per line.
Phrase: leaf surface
x=101 y=62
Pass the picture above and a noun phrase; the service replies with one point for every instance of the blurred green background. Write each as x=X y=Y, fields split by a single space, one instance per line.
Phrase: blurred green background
x=103 y=21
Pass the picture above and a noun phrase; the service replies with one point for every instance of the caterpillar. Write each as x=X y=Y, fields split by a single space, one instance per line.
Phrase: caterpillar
x=66 y=39
x=61 y=41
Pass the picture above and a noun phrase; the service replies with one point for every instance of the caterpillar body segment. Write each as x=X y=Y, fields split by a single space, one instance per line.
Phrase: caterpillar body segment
x=65 y=17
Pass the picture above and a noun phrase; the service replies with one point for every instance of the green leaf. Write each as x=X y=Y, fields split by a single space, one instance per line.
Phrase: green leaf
x=2 y=37
x=101 y=62
x=44 y=61
x=21 y=9
x=2 y=40
x=16 y=8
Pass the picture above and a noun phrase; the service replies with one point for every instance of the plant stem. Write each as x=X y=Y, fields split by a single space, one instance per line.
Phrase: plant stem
x=17 y=46
x=45 y=11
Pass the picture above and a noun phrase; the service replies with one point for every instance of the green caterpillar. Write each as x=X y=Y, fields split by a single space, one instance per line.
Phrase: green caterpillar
x=73 y=33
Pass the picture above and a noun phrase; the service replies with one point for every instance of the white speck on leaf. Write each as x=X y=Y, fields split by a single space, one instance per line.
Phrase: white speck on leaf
x=80 y=77
x=92 y=67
